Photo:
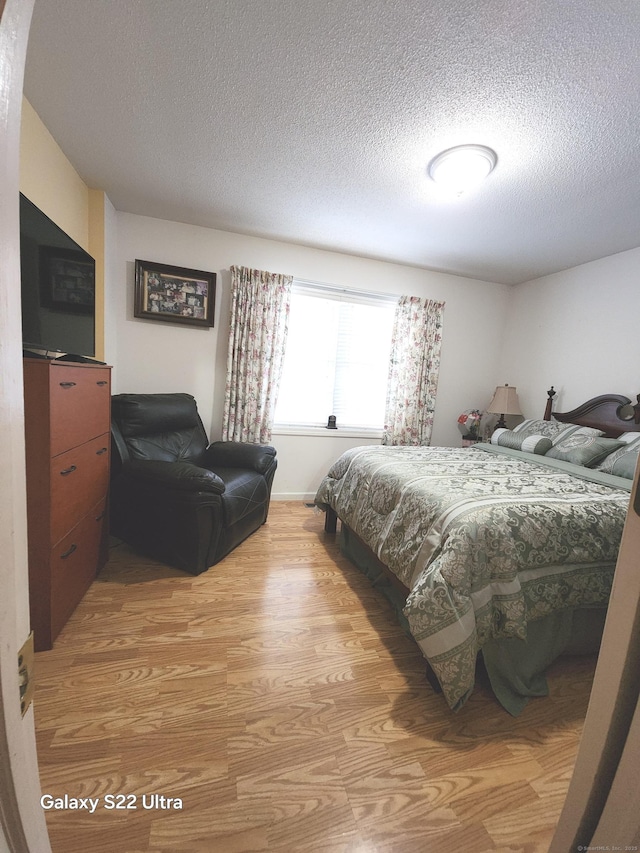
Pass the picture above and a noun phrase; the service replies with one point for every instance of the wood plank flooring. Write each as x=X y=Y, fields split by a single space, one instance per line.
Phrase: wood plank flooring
x=278 y=699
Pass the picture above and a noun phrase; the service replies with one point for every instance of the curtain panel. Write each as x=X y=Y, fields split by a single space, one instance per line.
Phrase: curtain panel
x=260 y=304
x=413 y=371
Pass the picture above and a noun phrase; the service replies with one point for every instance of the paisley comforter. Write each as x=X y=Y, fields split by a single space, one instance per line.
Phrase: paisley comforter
x=486 y=539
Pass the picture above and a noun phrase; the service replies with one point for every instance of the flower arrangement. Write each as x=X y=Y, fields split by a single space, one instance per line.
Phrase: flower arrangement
x=469 y=423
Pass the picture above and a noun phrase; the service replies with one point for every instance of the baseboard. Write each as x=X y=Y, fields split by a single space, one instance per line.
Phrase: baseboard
x=293 y=496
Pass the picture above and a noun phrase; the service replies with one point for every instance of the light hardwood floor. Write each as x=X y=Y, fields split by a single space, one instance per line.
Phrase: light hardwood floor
x=277 y=697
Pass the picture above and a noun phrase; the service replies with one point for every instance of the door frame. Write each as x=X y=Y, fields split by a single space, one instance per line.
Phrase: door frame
x=22 y=823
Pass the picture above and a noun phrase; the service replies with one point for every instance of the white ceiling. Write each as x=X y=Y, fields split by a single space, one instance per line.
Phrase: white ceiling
x=313 y=121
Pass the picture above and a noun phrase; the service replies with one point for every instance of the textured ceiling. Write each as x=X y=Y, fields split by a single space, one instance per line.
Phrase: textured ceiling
x=313 y=121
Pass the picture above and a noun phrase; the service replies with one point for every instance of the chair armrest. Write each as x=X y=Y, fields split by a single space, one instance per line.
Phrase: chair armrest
x=180 y=476
x=238 y=454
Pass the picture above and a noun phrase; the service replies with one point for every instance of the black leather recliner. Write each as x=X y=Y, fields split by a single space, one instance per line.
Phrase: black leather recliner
x=174 y=496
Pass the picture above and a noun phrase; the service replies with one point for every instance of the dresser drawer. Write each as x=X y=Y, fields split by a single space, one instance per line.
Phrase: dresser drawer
x=79 y=479
x=80 y=400
x=67 y=408
x=73 y=567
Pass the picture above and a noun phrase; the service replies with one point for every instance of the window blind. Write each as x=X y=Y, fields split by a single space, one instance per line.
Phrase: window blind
x=337 y=358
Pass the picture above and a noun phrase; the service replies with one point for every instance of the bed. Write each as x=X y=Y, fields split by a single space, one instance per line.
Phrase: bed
x=504 y=550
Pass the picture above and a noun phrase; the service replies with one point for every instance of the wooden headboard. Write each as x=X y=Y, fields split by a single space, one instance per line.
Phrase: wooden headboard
x=603 y=412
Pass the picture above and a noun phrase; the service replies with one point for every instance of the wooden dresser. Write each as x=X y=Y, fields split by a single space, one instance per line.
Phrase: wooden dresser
x=67 y=432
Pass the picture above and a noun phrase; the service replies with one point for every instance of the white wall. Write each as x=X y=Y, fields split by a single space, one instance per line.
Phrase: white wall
x=576 y=330
x=151 y=356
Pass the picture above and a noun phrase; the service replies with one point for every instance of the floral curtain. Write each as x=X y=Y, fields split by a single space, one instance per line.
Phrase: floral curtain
x=259 y=323
x=413 y=371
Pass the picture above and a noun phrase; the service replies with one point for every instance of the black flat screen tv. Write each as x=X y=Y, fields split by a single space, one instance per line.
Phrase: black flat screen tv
x=58 y=289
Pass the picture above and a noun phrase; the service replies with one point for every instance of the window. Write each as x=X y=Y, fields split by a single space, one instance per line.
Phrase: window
x=337 y=358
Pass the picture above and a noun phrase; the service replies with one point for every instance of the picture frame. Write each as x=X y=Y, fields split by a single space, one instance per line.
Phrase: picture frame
x=67 y=280
x=174 y=294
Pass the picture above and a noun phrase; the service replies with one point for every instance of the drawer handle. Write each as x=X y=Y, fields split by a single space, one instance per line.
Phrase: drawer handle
x=67 y=384
x=101 y=451
x=69 y=470
x=101 y=382
x=69 y=552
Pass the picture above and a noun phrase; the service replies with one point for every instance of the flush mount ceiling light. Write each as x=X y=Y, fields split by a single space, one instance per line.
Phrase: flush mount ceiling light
x=461 y=168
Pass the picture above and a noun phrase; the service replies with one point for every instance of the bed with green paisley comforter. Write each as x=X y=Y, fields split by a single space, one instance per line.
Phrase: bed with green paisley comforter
x=491 y=543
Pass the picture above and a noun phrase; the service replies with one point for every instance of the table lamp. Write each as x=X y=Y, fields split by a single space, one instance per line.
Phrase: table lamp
x=505 y=402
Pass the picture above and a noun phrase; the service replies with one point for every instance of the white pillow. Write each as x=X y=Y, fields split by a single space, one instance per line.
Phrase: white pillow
x=628 y=437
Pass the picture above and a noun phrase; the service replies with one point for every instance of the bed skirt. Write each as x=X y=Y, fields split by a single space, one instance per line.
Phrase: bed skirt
x=516 y=669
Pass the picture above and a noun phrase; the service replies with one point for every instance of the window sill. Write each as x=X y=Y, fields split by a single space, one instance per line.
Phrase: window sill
x=323 y=432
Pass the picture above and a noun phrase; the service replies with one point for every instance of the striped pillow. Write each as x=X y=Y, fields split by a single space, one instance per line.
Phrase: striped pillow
x=572 y=431
x=552 y=429
x=527 y=443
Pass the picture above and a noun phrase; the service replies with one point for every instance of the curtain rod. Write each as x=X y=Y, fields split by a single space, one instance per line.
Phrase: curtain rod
x=371 y=294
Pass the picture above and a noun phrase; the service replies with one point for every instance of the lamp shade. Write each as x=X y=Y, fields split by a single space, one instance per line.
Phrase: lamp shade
x=505 y=401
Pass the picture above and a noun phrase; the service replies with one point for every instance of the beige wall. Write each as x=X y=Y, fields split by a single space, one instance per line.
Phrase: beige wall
x=49 y=180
